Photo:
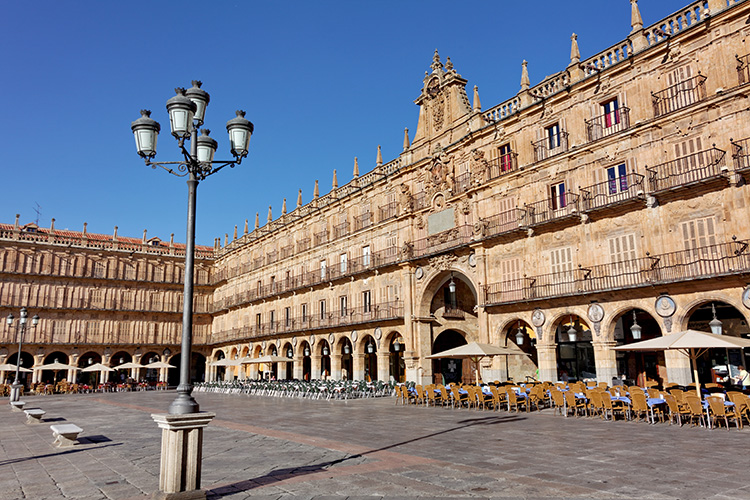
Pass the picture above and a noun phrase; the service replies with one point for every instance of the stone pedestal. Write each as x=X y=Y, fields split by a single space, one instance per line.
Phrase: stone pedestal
x=15 y=392
x=181 y=455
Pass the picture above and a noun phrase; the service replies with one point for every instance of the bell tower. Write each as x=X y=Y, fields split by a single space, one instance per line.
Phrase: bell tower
x=443 y=101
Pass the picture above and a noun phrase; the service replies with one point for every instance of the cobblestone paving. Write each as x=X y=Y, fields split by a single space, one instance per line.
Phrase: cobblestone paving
x=273 y=448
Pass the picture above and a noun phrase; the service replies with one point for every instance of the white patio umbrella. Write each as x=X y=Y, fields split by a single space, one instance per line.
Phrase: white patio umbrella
x=159 y=364
x=691 y=343
x=270 y=358
x=97 y=367
x=475 y=351
x=128 y=366
x=5 y=367
x=226 y=362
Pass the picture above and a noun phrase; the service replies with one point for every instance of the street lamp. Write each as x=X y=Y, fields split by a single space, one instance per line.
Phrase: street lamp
x=715 y=324
x=186 y=115
x=15 y=392
x=636 y=329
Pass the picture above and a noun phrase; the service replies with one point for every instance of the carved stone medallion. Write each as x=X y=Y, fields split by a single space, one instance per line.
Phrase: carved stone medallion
x=537 y=318
x=665 y=306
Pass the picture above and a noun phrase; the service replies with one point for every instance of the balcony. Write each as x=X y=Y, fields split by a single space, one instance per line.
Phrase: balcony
x=287 y=251
x=507 y=222
x=387 y=211
x=272 y=257
x=551 y=210
x=679 y=96
x=608 y=124
x=743 y=69
x=363 y=221
x=503 y=164
x=340 y=230
x=709 y=262
x=613 y=193
x=303 y=244
x=453 y=313
x=462 y=183
x=441 y=242
x=321 y=238
x=698 y=168
x=741 y=158
x=550 y=146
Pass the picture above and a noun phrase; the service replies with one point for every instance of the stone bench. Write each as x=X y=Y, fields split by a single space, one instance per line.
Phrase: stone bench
x=65 y=435
x=17 y=405
x=34 y=415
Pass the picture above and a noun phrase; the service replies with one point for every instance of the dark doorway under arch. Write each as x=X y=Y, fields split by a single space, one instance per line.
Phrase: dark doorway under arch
x=446 y=370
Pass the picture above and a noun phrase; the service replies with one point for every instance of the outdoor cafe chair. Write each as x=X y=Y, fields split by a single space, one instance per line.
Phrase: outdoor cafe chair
x=696 y=409
x=515 y=401
x=675 y=411
x=558 y=402
x=639 y=406
x=459 y=399
x=741 y=404
x=576 y=404
x=720 y=411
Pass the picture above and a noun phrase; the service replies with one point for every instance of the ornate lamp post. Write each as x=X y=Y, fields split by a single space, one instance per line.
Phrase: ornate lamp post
x=15 y=391
x=181 y=457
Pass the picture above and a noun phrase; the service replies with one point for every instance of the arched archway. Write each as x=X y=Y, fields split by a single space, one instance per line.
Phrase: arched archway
x=305 y=352
x=27 y=361
x=446 y=370
x=575 y=352
x=288 y=351
x=324 y=351
x=347 y=361
x=197 y=368
x=638 y=367
x=370 y=348
x=272 y=369
x=396 y=364
x=719 y=365
x=520 y=335
x=54 y=376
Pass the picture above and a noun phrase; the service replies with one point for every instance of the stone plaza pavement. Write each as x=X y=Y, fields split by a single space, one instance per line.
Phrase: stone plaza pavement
x=263 y=447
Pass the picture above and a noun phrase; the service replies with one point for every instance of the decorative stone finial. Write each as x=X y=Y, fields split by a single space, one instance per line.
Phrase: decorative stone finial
x=316 y=192
x=171 y=239
x=235 y=233
x=299 y=199
x=355 y=174
x=283 y=207
x=575 y=54
x=270 y=216
x=448 y=64
x=379 y=158
x=144 y=232
x=114 y=235
x=245 y=232
x=477 y=105
x=335 y=183
x=407 y=143
x=226 y=239
x=257 y=220
x=636 y=22
x=437 y=66
x=525 y=82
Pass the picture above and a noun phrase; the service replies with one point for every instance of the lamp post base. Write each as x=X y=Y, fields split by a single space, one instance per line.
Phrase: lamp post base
x=15 y=392
x=181 y=455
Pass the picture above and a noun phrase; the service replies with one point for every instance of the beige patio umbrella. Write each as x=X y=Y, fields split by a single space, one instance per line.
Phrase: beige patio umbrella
x=270 y=358
x=159 y=364
x=128 y=366
x=5 y=367
x=97 y=367
x=56 y=367
x=691 y=343
x=226 y=362
x=475 y=351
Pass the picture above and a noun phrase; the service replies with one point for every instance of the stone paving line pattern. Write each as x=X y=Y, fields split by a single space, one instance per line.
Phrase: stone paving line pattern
x=262 y=447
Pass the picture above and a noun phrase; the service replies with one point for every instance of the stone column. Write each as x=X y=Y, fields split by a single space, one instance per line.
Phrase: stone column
x=679 y=369
x=547 y=357
x=298 y=367
x=335 y=365
x=358 y=365
x=383 y=363
x=606 y=361
x=181 y=455
x=315 y=366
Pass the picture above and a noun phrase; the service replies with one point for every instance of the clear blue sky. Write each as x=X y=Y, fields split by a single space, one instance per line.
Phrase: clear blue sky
x=322 y=81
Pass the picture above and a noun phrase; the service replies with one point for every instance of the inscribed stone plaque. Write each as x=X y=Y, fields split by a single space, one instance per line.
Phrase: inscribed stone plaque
x=441 y=221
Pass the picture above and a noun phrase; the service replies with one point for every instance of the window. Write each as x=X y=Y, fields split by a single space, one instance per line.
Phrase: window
x=699 y=233
x=322 y=307
x=366 y=255
x=510 y=269
x=287 y=316
x=260 y=286
x=272 y=318
x=562 y=260
x=622 y=251
x=257 y=320
x=557 y=198
x=303 y=308
x=323 y=265
x=366 y=301
x=553 y=136
x=342 y=305
x=342 y=261
x=617 y=179
x=611 y=111
x=506 y=162
x=273 y=283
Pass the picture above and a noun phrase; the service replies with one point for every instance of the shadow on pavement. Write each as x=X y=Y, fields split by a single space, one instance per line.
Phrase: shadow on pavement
x=291 y=472
x=59 y=454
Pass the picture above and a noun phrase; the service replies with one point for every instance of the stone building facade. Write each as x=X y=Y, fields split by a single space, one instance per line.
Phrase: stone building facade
x=612 y=195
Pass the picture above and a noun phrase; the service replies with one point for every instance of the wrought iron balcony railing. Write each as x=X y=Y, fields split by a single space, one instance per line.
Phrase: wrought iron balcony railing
x=608 y=124
x=550 y=146
x=679 y=96
x=688 y=170
x=551 y=209
x=612 y=192
x=503 y=164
